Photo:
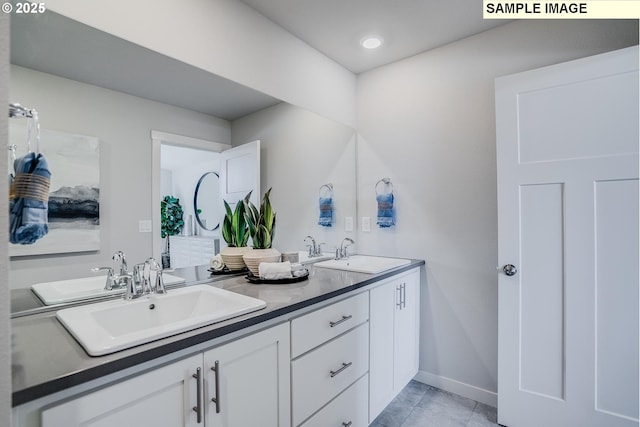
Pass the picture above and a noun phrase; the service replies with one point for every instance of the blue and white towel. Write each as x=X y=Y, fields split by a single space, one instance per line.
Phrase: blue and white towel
x=326 y=211
x=28 y=207
x=386 y=211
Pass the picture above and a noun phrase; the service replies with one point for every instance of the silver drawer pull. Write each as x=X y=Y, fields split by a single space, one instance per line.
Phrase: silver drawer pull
x=347 y=424
x=344 y=366
x=344 y=319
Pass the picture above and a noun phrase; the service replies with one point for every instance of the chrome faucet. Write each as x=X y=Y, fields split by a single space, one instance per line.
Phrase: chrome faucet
x=116 y=281
x=140 y=283
x=315 y=249
x=342 y=252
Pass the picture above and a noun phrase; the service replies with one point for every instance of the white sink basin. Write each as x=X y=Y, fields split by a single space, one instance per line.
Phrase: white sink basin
x=107 y=327
x=364 y=264
x=72 y=290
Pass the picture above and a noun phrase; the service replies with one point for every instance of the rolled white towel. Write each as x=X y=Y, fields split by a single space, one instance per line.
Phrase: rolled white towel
x=274 y=270
x=216 y=263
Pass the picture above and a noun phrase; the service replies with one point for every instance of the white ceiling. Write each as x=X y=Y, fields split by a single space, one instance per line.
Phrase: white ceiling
x=57 y=45
x=409 y=27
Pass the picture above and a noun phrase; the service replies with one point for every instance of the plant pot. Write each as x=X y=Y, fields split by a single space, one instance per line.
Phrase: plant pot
x=233 y=257
x=253 y=258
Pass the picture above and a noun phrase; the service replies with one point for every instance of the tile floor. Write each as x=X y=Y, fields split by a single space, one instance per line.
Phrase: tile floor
x=420 y=405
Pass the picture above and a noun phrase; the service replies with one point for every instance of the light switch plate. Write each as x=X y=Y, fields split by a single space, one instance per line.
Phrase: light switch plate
x=144 y=226
x=366 y=224
x=348 y=223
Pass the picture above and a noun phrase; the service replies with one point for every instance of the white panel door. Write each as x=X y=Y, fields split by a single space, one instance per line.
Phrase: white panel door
x=567 y=154
x=240 y=173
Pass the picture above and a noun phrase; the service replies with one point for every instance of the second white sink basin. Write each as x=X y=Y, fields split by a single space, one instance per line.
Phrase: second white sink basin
x=110 y=326
x=364 y=264
x=72 y=290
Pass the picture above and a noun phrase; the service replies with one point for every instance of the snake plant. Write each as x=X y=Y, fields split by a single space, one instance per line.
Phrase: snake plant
x=262 y=223
x=235 y=230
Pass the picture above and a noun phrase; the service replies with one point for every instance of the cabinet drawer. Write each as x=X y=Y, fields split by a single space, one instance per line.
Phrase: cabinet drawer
x=311 y=330
x=350 y=408
x=320 y=375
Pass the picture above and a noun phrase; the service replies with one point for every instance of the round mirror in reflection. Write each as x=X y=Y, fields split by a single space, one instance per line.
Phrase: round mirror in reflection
x=206 y=201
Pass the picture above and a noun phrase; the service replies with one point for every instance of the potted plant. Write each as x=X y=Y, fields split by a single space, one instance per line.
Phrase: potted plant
x=171 y=223
x=235 y=233
x=262 y=227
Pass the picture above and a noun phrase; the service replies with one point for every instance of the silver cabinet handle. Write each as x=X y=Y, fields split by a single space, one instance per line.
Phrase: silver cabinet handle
x=399 y=297
x=344 y=319
x=198 y=407
x=216 y=371
x=347 y=424
x=403 y=300
x=344 y=366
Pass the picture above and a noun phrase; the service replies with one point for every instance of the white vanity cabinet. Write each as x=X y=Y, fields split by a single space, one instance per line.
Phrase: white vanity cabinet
x=162 y=397
x=394 y=346
x=332 y=349
x=251 y=387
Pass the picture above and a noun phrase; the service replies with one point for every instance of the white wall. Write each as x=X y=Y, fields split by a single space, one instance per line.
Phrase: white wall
x=300 y=151
x=5 y=332
x=427 y=122
x=230 y=39
x=123 y=125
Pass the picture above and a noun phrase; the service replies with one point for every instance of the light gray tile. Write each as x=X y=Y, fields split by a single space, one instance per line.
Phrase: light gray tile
x=412 y=393
x=441 y=402
x=421 y=417
x=483 y=416
x=393 y=415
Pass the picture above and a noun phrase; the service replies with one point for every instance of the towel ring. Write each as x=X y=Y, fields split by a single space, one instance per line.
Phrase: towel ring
x=387 y=185
x=328 y=187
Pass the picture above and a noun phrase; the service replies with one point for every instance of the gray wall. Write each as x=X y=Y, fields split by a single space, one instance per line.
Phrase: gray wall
x=123 y=124
x=300 y=151
x=427 y=122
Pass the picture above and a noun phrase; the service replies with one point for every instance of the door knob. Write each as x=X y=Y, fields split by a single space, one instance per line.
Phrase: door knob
x=510 y=269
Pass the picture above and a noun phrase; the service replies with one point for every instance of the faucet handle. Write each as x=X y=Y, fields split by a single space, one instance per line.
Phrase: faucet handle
x=319 y=248
x=160 y=289
x=109 y=282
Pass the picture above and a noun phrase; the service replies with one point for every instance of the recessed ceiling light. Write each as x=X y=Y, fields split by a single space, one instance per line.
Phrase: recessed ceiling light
x=371 y=42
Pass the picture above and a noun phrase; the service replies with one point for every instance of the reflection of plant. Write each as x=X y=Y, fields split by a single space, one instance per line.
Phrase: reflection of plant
x=262 y=224
x=234 y=226
x=170 y=216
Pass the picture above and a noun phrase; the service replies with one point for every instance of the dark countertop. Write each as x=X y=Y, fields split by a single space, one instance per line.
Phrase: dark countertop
x=47 y=359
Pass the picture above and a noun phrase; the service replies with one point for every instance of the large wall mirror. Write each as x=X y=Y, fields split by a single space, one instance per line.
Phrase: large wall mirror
x=85 y=82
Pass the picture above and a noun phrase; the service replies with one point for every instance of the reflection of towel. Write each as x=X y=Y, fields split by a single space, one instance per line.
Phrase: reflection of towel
x=386 y=214
x=216 y=263
x=28 y=206
x=326 y=212
x=274 y=270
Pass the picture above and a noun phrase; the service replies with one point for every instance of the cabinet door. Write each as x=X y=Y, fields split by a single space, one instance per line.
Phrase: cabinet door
x=406 y=330
x=382 y=307
x=163 y=397
x=251 y=381
x=394 y=320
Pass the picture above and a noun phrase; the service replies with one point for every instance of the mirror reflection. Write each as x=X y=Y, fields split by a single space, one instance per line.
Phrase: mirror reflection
x=85 y=82
x=206 y=201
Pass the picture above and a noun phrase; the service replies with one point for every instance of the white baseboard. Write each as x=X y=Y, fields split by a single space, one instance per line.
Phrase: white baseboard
x=466 y=390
